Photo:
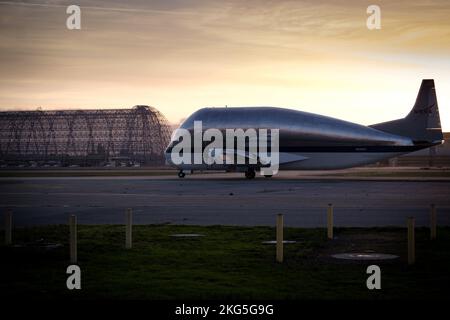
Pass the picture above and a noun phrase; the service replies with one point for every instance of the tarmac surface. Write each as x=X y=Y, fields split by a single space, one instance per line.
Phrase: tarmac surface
x=228 y=199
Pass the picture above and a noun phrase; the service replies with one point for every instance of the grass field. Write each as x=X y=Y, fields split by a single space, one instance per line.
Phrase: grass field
x=228 y=262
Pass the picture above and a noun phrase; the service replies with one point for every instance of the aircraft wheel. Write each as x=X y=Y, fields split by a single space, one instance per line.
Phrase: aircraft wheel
x=181 y=174
x=250 y=174
x=268 y=175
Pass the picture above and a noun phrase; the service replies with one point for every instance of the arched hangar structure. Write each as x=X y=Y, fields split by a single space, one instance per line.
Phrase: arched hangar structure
x=84 y=137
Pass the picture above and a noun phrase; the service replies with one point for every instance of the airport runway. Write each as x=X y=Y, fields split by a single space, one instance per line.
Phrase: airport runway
x=222 y=199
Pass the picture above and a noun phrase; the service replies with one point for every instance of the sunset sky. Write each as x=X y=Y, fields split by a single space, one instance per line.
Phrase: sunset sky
x=180 y=55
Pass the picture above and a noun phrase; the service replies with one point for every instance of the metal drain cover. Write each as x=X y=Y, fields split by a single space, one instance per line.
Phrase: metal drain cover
x=275 y=242
x=187 y=235
x=364 y=256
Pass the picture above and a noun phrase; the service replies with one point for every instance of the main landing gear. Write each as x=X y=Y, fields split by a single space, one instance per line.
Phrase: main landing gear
x=181 y=174
x=250 y=174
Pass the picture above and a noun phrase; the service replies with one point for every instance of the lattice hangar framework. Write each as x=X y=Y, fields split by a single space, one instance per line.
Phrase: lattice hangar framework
x=84 y=137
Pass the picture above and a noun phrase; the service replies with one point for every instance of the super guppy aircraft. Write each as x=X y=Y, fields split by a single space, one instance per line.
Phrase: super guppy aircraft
x=310 y=141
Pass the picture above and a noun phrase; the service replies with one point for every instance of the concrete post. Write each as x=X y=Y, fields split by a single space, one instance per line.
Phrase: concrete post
x=433 y=223
x=330 y=221
x=280 y=238
x=8 y=227
x=73 y=239
x=129 y=230
x=411 y=242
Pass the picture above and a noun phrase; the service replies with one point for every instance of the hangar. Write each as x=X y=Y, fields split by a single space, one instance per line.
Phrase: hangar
x=84 y=137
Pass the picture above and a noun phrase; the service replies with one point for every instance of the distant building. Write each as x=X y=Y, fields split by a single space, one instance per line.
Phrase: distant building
x=84 y=137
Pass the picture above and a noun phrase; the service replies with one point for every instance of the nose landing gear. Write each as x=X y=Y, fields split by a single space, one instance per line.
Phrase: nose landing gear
x=181 y=174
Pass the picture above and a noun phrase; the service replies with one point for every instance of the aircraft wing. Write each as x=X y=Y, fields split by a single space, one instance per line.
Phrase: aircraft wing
x=290 y=157
x=222 y=155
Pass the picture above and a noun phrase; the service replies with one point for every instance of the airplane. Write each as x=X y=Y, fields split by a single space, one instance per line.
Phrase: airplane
x=310 y=141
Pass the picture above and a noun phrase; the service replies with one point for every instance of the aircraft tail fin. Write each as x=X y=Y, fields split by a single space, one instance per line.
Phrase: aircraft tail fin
x=422 y=124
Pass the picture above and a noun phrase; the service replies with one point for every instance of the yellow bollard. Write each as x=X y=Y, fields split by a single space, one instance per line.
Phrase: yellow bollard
x=330 y=221
x=73 y=238
x=433 y=223
x=280 y=238
x=8 y=227
x=411 y=242
x=129 y=230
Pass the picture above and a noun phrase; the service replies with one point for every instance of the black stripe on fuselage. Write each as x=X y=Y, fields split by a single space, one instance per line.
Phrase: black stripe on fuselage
x=357 y=149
